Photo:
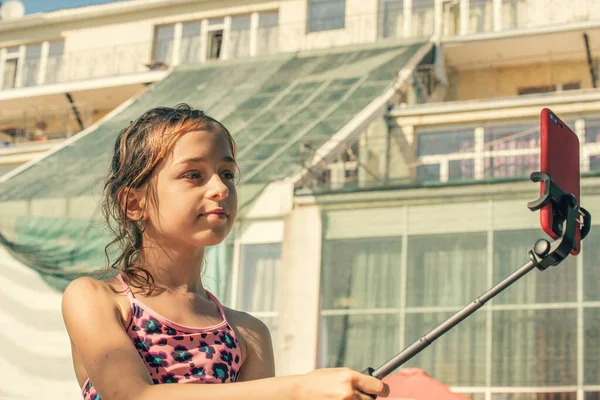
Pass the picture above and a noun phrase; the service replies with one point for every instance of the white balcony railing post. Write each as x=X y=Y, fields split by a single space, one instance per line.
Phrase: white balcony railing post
x=254 y=20
x=20 y=65
x=465 y=17
x=407 y=17
x=497 y=15
x=43 y=63
x=479 y=172
x=2 y=66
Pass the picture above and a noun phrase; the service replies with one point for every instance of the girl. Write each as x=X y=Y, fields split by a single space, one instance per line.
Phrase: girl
x=171 y=190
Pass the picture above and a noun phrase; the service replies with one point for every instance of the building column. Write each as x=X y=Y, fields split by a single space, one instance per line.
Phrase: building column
x=464 y=17
x=178 y=33
x=299 y=306
x=254 y=20
x=19 y=76
x=43 y=63
x=497 y=15
x=437 y=20
x=2 y=66
x=226 y=38
x=407 y=15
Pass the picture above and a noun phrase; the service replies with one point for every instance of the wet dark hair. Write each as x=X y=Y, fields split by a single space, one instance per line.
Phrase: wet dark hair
x=139 y=148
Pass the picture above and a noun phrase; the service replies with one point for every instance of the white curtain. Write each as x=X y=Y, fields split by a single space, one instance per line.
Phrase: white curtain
x=393 y=19
x=259 y=277
x=422 y=22
x=360 y=274
x=239 y=36
x=54 y=65
x=481 y=18
x=268 y=33
x=191 y=41
x=31 y=66
x=446 y=270
x=163 y=45
x=10 y=73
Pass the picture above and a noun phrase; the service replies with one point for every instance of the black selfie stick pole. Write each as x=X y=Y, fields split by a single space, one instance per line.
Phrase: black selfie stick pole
x=542 y=256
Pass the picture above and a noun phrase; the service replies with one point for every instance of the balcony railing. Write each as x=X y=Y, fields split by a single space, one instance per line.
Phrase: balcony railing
x=42 y=124
x=477 y=153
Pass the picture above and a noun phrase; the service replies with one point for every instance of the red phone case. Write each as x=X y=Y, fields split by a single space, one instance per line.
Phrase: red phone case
x=560 y=160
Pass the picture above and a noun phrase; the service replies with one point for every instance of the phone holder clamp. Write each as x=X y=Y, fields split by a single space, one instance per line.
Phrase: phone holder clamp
x=566 y=215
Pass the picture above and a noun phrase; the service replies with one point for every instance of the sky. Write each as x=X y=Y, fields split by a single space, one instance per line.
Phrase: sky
x=34 y=6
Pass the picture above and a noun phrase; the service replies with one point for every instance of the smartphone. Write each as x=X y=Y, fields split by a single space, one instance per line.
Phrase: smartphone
x=560 y=160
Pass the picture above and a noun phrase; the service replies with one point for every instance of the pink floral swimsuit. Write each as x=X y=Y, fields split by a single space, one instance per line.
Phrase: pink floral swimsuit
x=175 y=353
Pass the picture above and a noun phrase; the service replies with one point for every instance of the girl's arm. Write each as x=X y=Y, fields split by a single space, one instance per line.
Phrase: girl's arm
x=115 y=368
x=259 y=362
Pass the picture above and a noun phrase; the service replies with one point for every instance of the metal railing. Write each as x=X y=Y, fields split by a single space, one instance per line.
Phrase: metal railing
x=487 y=155
x=41 y=124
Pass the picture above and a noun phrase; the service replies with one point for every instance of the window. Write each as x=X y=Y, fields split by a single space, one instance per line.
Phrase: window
x=510 y=249
x=191 y=37
x=193 y=42
x=215 y=42
x=514 y=150
x=591 y=322
x=163 y=44
x=326 y=15
x=514 y=14
x=481 y=18
x=259 y=282
x=359 y=274
x=438 y=144
x=32 y=64
x=393 y=19
x=457 y=358
x=534 y=347
x=268 y=33
x=11 y=66
x=239 y=36
x=10 y=73
x=446 y=270
x=451 y=17
x=55 y=62
x=422 y=19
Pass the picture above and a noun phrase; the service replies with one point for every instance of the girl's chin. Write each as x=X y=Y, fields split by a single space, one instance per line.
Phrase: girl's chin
x=210 y=238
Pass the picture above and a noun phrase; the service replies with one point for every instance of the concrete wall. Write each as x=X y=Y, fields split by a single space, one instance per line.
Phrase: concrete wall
x=507 y=81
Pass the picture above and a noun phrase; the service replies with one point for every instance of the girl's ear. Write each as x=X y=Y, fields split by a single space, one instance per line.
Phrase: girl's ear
x=133 y=202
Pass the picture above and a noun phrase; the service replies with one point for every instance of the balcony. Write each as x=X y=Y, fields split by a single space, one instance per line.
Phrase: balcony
x=458 y=143
x=191 y=42
x=25 y=135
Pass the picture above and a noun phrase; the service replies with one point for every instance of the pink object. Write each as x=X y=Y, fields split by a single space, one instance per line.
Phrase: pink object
x=415 y=384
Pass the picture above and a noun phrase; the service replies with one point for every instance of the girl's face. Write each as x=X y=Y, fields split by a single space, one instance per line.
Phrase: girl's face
x=195 y=203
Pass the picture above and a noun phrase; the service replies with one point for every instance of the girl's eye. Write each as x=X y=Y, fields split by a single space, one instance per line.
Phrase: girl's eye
x=228 y=175
x=192 y=175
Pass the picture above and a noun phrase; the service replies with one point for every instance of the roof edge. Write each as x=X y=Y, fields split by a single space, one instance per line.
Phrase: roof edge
x=377 y=108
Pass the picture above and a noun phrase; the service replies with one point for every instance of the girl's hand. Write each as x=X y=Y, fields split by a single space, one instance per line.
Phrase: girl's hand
x=340 y=384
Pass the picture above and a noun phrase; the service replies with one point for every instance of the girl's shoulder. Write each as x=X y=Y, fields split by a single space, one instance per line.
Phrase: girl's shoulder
x=253 y=332
x=95 y=293
x=257 y=345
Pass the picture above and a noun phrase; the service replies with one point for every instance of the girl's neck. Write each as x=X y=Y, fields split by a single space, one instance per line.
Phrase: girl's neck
x=176 y=270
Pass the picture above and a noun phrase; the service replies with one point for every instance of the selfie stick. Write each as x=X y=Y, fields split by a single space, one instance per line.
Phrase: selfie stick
x=543 y=255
